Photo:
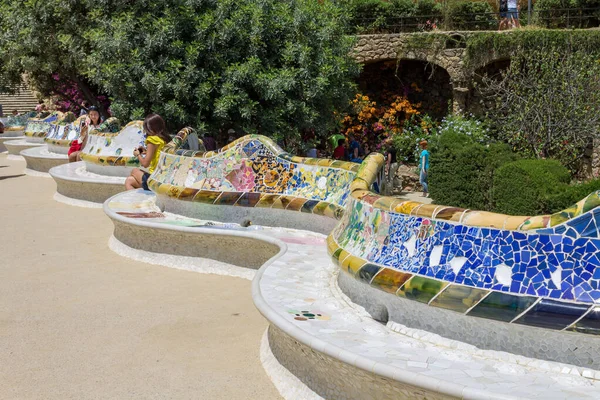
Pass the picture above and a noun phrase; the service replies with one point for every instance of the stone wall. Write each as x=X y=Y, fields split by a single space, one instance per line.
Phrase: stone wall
x=450 y=56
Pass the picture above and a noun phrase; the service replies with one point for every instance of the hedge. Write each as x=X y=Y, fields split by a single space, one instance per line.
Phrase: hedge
x=462 y=171
x=520 y=187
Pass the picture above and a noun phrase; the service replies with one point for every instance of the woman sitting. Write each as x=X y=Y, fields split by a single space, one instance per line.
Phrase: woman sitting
x=156 y=138
x=91 y=122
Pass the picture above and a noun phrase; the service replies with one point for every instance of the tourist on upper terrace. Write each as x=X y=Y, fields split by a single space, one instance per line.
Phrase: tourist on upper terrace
x=513 y=13
x=340 y=151
x=503 y=11
x=156 y=138
x=312 y=152
x=209 y=142
x=92 y=121
x=84 y=108
x=424 y=167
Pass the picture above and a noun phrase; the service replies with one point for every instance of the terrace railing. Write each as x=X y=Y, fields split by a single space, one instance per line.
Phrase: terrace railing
x=563 y=18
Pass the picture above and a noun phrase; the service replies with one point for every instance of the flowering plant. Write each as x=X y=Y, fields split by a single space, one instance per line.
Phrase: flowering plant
x=375 y=124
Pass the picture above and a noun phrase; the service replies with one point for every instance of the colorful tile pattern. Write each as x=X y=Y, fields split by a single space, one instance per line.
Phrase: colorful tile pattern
x=114 y=148
x=62 y=133
x=254 y=164
x=39 y=127
x=539 y=271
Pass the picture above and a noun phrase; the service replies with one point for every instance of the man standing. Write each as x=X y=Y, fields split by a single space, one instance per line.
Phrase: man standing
x=424 y=167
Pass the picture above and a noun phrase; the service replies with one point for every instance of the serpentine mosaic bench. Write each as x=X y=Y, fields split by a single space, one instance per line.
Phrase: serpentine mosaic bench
x=58 y=140
x=253 y=178
x=35 y=131
x=107 y=160
x=523 y=285
x=528 y=285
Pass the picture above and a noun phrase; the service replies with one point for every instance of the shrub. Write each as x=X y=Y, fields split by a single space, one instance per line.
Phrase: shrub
x=270 y=67
x=471 y=15
x=406 y=142
x=368 y=15
x=520 y=187
x=462 y=170
x=567 y=13
x=568 y=195
x=547 y=102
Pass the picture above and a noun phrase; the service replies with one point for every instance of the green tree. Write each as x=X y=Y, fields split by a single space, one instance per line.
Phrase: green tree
x=265 y=66
x=547 y=103
x=44 y=41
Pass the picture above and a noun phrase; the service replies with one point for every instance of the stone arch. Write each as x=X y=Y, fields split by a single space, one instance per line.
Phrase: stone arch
x=418 y=80
x=477 y=102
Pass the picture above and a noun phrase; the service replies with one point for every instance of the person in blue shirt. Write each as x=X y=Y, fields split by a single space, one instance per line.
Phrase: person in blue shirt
x=424 y=167
x=354 y=150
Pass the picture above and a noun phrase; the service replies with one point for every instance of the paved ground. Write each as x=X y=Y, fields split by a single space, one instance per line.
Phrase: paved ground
x=414 y=196
x=79 y=322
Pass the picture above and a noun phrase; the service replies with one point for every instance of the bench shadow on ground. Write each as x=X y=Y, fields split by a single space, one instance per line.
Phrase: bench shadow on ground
x=10 y=176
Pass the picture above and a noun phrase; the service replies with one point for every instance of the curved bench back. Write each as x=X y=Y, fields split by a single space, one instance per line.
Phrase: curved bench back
x=540 y=271
x=17 y=122
x=253 y=172
x=62 y=133
x=37 y=128
x=113 y=149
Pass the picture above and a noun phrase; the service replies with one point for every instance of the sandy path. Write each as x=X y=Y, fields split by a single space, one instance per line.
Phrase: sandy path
x=79 y=322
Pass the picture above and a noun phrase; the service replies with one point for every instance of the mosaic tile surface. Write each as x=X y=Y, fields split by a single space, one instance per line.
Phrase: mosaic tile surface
x=254 y=164
x=17 y=122
x=539 y=271
x=39 y=127
x=62 y=133
x=114 y=148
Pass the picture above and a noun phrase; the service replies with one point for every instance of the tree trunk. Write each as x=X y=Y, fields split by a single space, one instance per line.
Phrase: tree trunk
x=90 y=96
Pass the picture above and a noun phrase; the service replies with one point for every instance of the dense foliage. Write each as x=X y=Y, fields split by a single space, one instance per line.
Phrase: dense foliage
x=520 y=187
x=547 y=103
x=258 y=66
x=462 y=170
x=45 y=41
x=264 y=66
x=392 y=16
x=567 y=13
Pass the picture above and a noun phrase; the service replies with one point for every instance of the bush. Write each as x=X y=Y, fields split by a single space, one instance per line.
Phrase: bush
x=568 y=195
x=269 y=67
x=552 y=13
x=520 y=187
x=462 y=170
x=368 y=15
x=547 y=102
x=471 y=15
x=567 y=13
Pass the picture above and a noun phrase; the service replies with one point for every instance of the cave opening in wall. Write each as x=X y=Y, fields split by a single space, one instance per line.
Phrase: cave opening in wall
x=480 y=101
x=421 y=82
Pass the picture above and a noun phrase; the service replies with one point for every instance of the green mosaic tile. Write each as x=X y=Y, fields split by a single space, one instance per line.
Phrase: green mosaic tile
x=296 y=204
x=502 y=306
x=421 y=289
x=389 y=280
x=589 y=324
x=248 y=200
x=459 y=298
x=206 y=197
x=228 y=198
x=187 y=193
x=267 y=200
